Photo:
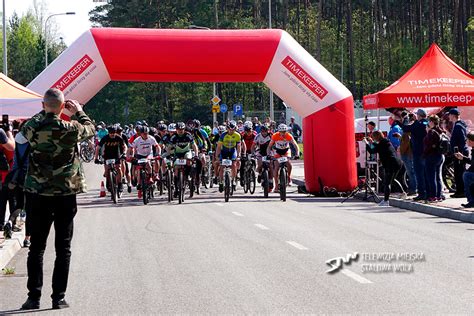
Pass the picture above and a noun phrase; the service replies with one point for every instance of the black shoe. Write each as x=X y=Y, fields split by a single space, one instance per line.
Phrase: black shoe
x=30 y=304
x=120 y=187
x=221 y=187
x=129 y=189
x=419 y=198
x=468 y=205
x=215 y=180
x=7 y=231
x=26 y=243
x=457 y=195
x=259 y=178
x=60 y=304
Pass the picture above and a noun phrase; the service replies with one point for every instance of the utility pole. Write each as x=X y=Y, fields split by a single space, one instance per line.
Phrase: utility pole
x=5 y=65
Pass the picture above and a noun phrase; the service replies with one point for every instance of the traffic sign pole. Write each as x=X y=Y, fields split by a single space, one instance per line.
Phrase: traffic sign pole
x=214 y=114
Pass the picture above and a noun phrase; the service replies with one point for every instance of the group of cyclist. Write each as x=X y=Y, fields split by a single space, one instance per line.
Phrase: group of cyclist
x=196 y=144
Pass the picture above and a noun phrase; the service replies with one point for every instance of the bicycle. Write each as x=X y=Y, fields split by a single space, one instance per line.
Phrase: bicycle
x=207 y=171
x=283 y=177
x=169 y=176
x=265 y=174
x=86 y=151
x=111 y=180
x=249 y=181
x=228 y=186
x=180 y=181
x=145 y=179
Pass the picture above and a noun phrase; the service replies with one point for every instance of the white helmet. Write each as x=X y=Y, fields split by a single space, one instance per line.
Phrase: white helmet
x=248 y=124
x=282 y=128
x=221 y=129
x=172 y=127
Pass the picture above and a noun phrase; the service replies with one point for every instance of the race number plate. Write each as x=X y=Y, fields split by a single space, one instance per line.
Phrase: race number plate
x=264 y=159
x=282 y=159
x=180 y=162
x=226 y=162
x=142 y=161
x=110 y=162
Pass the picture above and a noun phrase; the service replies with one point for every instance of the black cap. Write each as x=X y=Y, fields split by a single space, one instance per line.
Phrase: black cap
x=454 y=112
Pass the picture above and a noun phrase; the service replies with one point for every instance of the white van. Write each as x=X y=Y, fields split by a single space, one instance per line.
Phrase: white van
x=359 y=127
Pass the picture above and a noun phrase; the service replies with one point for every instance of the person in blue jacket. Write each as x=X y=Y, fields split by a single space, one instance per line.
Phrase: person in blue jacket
x=418 y=133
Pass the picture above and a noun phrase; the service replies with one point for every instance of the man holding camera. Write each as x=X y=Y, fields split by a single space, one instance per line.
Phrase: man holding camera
x=54 y=178
x=458 y=145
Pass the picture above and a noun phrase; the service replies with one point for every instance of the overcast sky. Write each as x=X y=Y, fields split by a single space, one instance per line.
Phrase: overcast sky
x=70 y=27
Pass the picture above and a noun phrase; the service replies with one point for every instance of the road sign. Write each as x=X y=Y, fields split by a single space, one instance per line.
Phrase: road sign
x=238 y=110
x=223 y=108
x=216 y=108
x=215 y=100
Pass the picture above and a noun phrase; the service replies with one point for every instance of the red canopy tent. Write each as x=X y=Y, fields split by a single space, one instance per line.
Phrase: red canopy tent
x=434 y=81
x=16 y=100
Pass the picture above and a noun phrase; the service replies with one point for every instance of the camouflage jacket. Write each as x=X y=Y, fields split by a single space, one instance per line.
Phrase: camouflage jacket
x=54 y=167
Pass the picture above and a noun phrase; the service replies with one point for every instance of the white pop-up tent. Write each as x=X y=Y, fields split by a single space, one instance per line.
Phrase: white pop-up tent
x=16 y=100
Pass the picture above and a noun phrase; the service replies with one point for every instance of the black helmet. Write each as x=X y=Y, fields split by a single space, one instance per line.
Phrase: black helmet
x=231 y=125
x=162 y=127
x=264 y=127
x=112 y=129
x=145 y=129
x=180 y=125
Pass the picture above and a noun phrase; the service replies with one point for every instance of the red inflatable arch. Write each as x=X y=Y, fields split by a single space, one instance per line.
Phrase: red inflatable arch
x=270 y=56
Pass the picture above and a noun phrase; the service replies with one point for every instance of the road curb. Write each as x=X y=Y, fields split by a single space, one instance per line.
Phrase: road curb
x=10 y=248
x=445 y=212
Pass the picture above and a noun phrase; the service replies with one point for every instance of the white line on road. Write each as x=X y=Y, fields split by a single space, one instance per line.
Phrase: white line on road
x=219 y=204
x=262 y=227
x=355 y=276
x=237 y=214
x=297 y=245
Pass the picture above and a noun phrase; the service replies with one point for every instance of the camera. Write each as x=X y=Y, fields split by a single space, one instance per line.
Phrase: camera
x=5 y=122
x=456 y=149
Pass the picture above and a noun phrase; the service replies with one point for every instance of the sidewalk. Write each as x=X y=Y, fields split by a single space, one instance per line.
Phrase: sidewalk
x=450 y=208
x=8 y=248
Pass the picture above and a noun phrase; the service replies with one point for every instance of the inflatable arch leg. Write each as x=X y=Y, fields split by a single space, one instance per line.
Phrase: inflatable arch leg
x=269 y=56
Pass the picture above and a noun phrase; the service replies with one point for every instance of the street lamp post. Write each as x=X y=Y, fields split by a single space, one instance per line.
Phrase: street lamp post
x=272 y=113
x=46 y=34
x=214 y=86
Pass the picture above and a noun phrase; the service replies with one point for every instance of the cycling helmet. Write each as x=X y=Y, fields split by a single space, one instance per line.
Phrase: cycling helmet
x=112 y=129
x=180 y=125
x=119 y=128
x=197 y=123
x=231 y=125
x=162 y=127
x=248 y=126
x=145 y=129
x=207 y=129
x=144 y=123
x=172 y=127
x=153 y=131
x=282 y=128
x=221 y=129
x=101 y=123
x=264 y=127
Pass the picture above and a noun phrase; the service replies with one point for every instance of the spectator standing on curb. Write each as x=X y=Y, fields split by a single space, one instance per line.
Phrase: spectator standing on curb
x=434 y=159
x=54 y=177
x=468 y=175
x=7 y=145
x=15 y=182
x=296 y=130
x=390 y=162
x=395 y=132
x=406 y=154
x=458 y=144
x=418 y=133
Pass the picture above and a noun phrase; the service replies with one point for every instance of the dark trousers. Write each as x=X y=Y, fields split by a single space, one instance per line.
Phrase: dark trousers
x=434 y=185
x=459 y=168
x=45 y=211
x=389 y=176
x=419 y=166
x=5 y=196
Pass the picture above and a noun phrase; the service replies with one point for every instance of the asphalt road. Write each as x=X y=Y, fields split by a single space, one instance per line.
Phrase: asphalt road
x=255 y=255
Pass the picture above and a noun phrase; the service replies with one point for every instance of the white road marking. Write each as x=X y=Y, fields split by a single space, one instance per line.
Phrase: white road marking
x=262 y=227
x=355 y=276
x=297 y=245
x=237 y=214
x=219 y=204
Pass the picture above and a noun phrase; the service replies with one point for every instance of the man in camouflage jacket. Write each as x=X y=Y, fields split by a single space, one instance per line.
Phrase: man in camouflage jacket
x=54 y=177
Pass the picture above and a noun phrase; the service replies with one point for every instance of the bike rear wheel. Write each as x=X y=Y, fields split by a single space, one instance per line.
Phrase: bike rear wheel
x=252 y=181
x=113 y=186
x=169 y=183
x=283 y=184
x=265 y=183
x=180 y=186
x=227 y=187
x=144 y=187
